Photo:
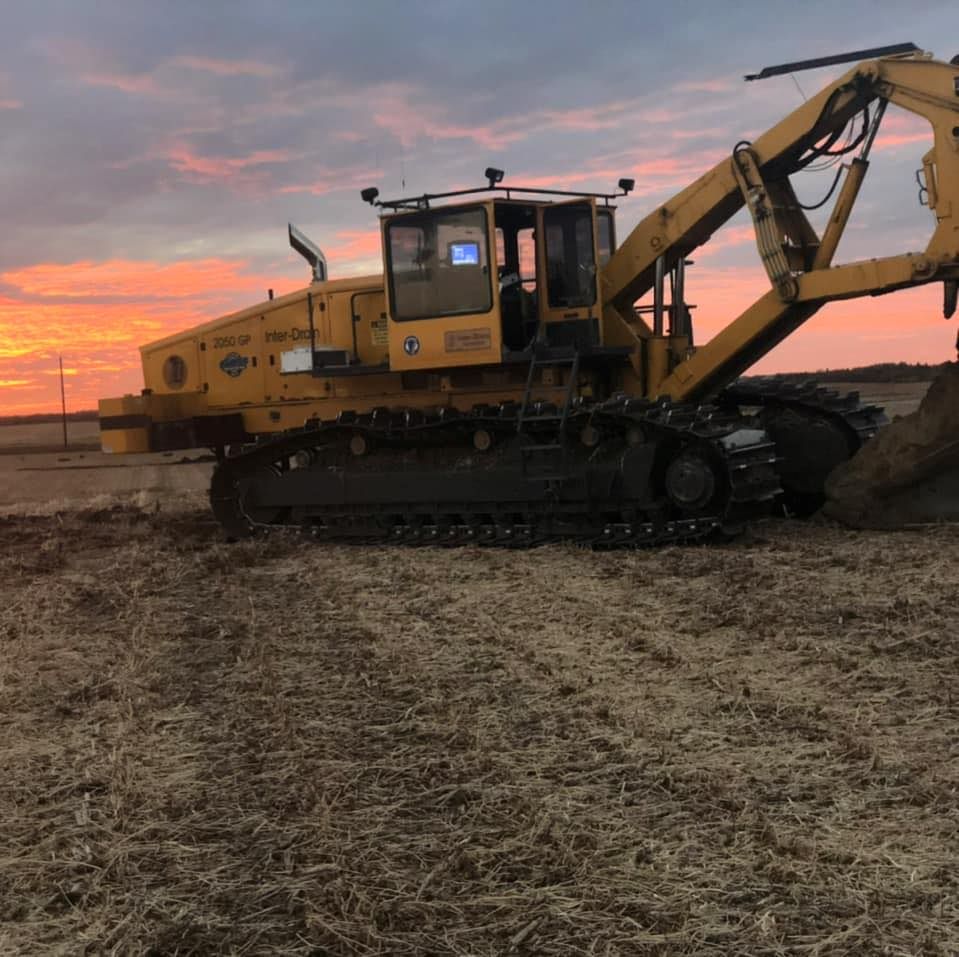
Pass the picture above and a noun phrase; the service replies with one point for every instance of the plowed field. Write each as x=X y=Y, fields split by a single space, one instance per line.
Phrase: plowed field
x=273 y=748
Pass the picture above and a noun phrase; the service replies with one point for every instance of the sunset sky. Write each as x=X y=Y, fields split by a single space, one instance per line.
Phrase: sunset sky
x=151 y=154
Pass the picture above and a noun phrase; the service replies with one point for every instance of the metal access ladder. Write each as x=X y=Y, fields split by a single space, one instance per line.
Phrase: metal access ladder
x=546 y=460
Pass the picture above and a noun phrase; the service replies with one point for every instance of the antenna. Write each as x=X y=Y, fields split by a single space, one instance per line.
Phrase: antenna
x=309 y=251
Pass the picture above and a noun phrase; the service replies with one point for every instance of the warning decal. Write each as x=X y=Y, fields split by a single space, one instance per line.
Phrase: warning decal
x=379 y=331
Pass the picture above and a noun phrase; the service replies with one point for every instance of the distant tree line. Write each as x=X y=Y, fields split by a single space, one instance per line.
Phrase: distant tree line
x=880 y=372
x=87 y=415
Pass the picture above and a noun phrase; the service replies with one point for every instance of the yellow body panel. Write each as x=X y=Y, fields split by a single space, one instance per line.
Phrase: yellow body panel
x=124 y=425
x=453 y=341
x=125 y=441
x=238 y=360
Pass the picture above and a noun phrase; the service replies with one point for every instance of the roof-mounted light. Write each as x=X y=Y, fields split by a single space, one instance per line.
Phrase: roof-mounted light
x=493 y=176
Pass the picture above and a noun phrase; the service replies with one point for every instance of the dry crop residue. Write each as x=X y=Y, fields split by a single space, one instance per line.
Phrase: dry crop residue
x=272 y=748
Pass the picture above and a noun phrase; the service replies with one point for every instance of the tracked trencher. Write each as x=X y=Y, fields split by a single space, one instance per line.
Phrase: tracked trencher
x=498 y=383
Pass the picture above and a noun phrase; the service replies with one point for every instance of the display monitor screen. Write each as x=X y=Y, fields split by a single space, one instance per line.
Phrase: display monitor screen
x=464 y=254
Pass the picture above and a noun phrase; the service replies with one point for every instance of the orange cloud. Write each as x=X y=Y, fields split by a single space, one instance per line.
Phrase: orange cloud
x=727 y=238
x=356 y=249
x=651 y=176
x=129 y=278
x=906 y=325
x=100 y=340
x=97 y=314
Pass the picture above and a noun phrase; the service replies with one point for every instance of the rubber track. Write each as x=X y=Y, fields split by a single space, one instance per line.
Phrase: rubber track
x=749 y=461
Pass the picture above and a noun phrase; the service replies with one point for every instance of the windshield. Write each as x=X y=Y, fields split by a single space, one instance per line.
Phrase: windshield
x=439 y=264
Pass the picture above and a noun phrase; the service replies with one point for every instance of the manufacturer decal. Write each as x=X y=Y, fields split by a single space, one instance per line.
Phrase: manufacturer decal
x=411 y=345
x=468 y=340
x=234 y=364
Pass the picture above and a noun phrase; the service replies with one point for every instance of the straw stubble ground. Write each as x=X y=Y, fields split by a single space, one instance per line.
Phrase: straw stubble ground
x=268 y=748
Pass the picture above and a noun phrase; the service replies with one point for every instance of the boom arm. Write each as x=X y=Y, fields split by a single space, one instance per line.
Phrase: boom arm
x=797 y=260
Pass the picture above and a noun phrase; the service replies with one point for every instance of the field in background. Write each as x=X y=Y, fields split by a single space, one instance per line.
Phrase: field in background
x=82 y=435
x=897 y=398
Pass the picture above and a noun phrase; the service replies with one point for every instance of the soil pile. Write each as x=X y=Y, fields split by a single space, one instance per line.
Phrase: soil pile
x=908 y=473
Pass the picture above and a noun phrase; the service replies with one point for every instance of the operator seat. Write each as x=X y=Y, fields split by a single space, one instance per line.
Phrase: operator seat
x=515 y=309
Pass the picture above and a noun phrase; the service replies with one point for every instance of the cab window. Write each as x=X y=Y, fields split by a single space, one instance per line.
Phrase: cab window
x=570 y=260
x=607 y=241
x=439 y=264
x=526 y=245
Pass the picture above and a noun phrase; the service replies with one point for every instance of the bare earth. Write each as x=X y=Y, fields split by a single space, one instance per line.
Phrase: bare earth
x=273 y=748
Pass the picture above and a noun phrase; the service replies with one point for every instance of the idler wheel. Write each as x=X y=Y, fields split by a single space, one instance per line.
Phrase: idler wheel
x=690 y=481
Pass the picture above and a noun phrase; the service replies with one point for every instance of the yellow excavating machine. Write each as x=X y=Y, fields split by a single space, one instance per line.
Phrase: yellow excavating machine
x=499 y=384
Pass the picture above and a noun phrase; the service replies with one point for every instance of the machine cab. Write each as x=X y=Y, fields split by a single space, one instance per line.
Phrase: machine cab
x=480 y=281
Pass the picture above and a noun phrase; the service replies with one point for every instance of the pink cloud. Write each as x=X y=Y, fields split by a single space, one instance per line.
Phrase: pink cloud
x=652 y=176
x=356 y=248
x=207 y=168
x=408 y=123
x=332 y=180
x=94 y=69
x=902 y=129
x=139 y=83
x=728 y=237
x=606 y=116
x=220 y=67
x=717 y=85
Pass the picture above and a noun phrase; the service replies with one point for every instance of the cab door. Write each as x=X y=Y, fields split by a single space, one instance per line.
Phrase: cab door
x=567 y=252
x=443 y=294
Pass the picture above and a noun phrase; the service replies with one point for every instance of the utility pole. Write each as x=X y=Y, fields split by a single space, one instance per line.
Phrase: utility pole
x=63 y=403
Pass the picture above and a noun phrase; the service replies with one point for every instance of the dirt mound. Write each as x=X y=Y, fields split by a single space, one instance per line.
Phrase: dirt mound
x=908 y=473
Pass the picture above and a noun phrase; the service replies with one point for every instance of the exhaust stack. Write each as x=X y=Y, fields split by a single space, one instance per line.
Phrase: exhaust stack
x=310 y=252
